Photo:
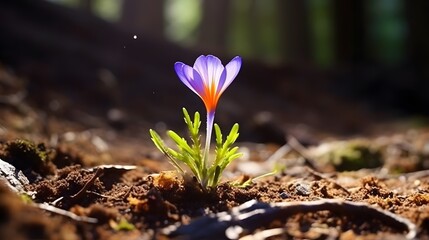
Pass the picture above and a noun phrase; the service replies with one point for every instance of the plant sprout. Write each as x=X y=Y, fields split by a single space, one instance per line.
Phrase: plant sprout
x=208 y=78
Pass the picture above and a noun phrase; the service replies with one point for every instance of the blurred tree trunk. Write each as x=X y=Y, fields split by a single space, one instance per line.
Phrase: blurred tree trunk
x=214 y=25
x=86 y=5
x=252 y=25
x=143 y=17
x=295 y=31
x=418 y=37
x=65 y=49
x=349 y=31
x=417 y=16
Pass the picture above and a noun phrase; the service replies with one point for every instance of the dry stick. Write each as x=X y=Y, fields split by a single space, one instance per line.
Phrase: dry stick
x=114 y=166
x=297 y=146
x=66 y=213
x=82 y=191
x=253 y=215
x=264 y=234
x=118 y=197
x=278 y=154
x=416 y=175
x=100 y=195
x=348 y=207
x=320 y=176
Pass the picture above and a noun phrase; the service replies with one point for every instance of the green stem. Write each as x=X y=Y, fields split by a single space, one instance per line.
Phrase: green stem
x=210 y=120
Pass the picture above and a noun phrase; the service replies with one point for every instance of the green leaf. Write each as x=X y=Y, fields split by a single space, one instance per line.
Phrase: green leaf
x=231 y=158
x=187 y=118
x=123 y=225
x=197 y=122
x=217 y=172
x=170 y=153
x=218 y=133
x=181 y=142
x=192 y=154
x=232 y=136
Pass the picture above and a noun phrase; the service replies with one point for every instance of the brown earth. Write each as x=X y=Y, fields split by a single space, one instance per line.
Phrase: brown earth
x=78 y=95
x=65 y=160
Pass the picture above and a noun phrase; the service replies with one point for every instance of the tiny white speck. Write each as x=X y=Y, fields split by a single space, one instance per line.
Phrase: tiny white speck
x=135 y=37
x=124 y=46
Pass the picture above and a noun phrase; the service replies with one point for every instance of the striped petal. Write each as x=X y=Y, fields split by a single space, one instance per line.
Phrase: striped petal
x=208 y=78
x=197 y=82
x=201 y=66
x=178 y=67
x=214 y=70
x=232 y=69
x=189 y=77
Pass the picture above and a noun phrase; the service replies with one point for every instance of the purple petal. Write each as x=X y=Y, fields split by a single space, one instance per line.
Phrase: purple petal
x=201 y=66
x=197 y=82
x=184 y=77
x=221 y=82
x=232 y=69
x=214 y=70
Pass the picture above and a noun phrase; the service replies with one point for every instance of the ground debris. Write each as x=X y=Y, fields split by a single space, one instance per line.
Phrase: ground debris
x=253 y=215
x=14 y=179
x=65 y=213
x=57 y=150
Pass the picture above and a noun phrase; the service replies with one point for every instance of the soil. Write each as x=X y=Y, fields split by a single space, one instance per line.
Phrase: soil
x=114 y=184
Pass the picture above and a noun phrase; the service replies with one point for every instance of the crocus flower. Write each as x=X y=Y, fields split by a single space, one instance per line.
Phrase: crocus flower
x=208 y=78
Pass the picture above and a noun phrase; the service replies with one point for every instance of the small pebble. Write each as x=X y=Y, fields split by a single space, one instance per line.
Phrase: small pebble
x=284 y=195
x=302 y=189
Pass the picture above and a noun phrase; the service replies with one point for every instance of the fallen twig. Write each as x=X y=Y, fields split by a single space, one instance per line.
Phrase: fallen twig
x=66 y=213
x=265 y=234
x=123 y=196
x=82 y=191
x=98 y=172
x=114 y=166
x=278 y=154
x=416 y=175
x=253 y=215
x=301 y=150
